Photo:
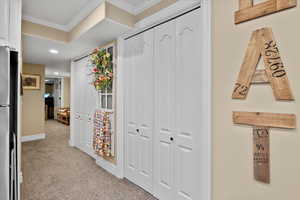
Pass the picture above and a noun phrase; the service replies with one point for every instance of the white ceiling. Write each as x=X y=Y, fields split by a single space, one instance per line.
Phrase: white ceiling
x=36 y=50
x=55 y=11
x=66 y=14
x=136 y=2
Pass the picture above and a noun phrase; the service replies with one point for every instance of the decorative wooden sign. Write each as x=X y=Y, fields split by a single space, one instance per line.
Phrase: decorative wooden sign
x=261 y=154
x=263 y=44
x=261 y=123
x=248 y=11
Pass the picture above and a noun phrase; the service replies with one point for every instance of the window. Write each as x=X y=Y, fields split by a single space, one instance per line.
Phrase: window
x=107 y=97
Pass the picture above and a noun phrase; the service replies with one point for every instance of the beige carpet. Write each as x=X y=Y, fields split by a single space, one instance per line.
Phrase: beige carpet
x=54 y=171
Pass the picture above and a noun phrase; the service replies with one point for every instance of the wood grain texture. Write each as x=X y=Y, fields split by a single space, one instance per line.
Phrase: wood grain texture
x=274 y=120
x=285 y=4
x=262 y=9
x=248 y=69
x=274 y=66
x=260 y=77
x=245 y=4
x=263 y=44
x=261 y=154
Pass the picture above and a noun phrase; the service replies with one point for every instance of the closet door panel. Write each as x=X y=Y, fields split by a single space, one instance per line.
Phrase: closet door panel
x=91 y=100
x=165 y=96
x=188 y=110
x=132 y=147
x=76 y=107
x=145 y=76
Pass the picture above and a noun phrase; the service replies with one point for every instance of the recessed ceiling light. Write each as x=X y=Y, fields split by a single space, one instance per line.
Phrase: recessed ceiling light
x=53 y=51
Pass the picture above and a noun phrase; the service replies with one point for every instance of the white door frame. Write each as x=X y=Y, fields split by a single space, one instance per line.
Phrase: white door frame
x=206 y=91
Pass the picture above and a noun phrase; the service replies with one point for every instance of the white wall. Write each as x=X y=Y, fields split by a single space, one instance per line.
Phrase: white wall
x=58 y=70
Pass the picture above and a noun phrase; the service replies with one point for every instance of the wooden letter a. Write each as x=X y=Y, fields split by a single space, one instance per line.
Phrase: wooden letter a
x=263 y=44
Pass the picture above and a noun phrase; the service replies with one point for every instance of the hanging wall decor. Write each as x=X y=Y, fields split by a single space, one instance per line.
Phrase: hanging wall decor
x=102 y=140
x=261 y=123
x=31 y=82
x=248 y=11
x=102 y=70
x=263 y=44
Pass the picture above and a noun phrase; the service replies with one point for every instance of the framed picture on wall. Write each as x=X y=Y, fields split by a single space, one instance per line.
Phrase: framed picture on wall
x=31 y=82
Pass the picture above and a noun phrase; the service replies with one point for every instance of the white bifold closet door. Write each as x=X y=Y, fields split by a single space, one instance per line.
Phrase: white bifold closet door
x=178 y=51
x=140 y=107
x=85 y=103
x=76 y=106
x=163 y=139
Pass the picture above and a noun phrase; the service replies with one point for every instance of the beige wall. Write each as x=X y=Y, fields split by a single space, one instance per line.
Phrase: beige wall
x=33 y=114
x=232 y=144
x=66 y=92
x=32 y=29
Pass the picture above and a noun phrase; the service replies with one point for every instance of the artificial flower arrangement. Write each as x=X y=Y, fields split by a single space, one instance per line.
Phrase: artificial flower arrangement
x=102 y=70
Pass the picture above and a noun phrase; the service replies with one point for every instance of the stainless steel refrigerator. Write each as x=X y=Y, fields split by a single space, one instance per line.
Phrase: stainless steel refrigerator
x=8 y=123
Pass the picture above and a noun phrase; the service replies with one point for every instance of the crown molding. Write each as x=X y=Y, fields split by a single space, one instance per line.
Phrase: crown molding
x=76 y=19
x=44 y=22
x=123 y=5
x=132 y=9
x=145 y=6
x=88 y=9
x=83 y=13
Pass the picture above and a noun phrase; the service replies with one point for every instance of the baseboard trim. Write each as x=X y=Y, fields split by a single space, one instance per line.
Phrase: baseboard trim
x=20 y=177
x=30 y=138
x=71 y=143
x=109 y=167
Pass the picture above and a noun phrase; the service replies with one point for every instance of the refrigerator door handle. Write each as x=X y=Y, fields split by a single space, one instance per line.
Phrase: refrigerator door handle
x=4 y=106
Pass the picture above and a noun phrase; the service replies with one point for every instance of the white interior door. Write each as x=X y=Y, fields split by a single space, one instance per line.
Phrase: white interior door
x=188 y=107
x=91 y=104
x=164 y=80
x=165 y=116
x=84 y=133
x=139 y=166
x=76 y=103
x=131 y=144
x=145 y=106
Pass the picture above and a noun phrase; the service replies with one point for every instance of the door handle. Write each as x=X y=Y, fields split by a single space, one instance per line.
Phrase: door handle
x=172 y=139
x=138 y=130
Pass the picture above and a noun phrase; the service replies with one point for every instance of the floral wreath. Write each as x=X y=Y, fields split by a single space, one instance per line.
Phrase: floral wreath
x=102 y=69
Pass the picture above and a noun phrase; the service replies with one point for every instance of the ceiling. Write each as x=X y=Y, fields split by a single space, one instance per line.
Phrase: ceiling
x=64 y=15
x=36 y=50
x=55 y=11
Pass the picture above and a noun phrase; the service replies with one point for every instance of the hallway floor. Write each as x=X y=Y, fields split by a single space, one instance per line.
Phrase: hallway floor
x=52 y=170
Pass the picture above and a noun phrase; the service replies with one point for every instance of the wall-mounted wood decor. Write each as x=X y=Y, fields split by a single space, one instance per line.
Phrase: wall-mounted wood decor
x=263 y=44
x=261 y=123
x=248 y=11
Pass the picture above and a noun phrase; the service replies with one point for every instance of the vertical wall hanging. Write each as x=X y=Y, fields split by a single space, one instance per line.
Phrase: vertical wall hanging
x=261 y=123
x=263 y=44
x=103 y=71
x=102 y=140
x=248 y=11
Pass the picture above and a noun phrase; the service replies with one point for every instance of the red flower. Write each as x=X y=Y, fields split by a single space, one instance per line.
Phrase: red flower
x=95 y=70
